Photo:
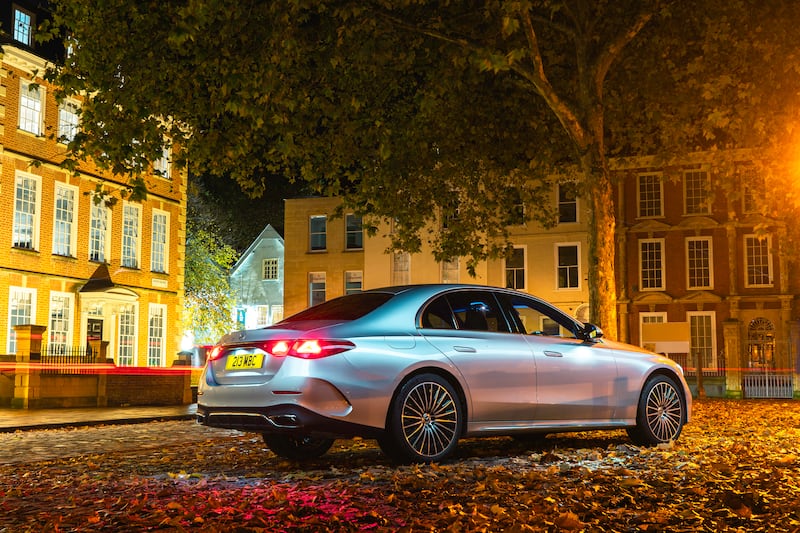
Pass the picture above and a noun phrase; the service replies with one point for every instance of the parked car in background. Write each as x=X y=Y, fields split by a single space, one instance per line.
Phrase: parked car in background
x=419 y=367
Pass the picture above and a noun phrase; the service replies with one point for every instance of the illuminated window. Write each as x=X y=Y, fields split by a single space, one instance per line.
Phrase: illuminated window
x=67 y=121
x=31 y=103
x=162 y=167
x=64 y=221
x=98 y=233
x=60 y=323
x=21 y=308
x=26 y=212
x=699 y=263
x=703 y=340
x=262 y=315
x=158 y=245
x=130 y=236
x=23 y=26
x=126 y=351
x=651 y=192
x=156 y=335
x=269 y=268
x=651 y=262
x=697 y=194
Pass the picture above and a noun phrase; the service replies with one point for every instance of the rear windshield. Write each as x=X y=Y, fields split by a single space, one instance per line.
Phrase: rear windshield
x=348 y=307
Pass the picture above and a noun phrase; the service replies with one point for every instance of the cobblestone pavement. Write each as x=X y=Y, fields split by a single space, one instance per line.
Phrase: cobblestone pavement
x=48 y=444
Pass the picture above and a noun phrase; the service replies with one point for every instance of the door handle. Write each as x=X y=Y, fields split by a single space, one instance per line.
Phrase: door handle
x=553 y=354
x=465 y=349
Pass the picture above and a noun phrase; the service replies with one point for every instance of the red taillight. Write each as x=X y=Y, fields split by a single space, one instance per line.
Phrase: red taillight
x=316 y=349
x=215 y=353
x=307 y=348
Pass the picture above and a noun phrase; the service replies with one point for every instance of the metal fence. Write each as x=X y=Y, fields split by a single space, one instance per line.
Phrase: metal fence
x=61 y=359
x=768 y=385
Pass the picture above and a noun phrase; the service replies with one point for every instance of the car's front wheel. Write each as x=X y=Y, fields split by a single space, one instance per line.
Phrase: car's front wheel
x=297 y=448
x=424 y=422
x=661 y=412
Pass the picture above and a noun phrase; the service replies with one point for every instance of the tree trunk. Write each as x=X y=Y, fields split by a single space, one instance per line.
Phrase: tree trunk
x=602 y=249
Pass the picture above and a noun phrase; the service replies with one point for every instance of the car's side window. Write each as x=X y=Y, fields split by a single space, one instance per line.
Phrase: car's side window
x=536 y=318
x=477 y=311
x=438 y=315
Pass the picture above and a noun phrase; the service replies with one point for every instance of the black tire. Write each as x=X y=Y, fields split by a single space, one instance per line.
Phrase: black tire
x=297 y=448
x=425 y=421
x=661 y=413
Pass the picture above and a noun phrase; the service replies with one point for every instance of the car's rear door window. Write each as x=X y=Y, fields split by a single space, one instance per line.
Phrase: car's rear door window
x=437 y=315
x=477 y=311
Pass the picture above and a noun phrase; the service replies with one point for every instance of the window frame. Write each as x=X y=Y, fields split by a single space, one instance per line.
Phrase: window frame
x=351 y=278
x=99 y=235
x=130 y=250
x=157 y=345
x=130 y=332
x=356 y=233
x=270 y=269
x=451 y=270
x=523 y=269
x=162 y=167
x=31 y=110
x=317 y=285
x=401 y=268
x=748 y=283
x=709 y=266
x=68 y=120
x=645 y=203
x=11 y=341
x=35 y=217
x=661 y=269
x=159 y=251
x=714 y=364
x=64 y=242
x=700 y=196
x=661 y=315
x=28 y=33
x=320 y=234
x=563 y=201
x=577 y=266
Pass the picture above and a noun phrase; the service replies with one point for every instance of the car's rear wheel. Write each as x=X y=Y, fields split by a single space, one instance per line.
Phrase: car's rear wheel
x=661 y=413
x=424 y=422
x=297 y=448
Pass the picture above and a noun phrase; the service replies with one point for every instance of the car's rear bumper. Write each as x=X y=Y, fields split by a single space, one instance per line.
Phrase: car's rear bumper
x=287 y=419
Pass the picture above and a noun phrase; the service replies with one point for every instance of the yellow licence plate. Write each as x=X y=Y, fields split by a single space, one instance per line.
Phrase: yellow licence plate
x=244 y=361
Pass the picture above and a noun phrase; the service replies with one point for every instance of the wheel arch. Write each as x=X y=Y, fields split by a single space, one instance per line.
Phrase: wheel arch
x=450 y=378
x=679 y=382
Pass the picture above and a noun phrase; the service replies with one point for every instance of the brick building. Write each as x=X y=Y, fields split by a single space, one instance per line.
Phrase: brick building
x=704 y=276
x=101 y=274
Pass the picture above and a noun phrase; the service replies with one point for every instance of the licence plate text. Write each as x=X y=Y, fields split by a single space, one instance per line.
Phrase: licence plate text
x=244 y=361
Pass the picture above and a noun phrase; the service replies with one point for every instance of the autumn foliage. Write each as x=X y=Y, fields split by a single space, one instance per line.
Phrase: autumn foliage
x=735 y=468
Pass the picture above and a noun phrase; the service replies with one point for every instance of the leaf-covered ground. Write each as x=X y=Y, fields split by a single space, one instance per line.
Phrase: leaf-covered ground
x=735 y=468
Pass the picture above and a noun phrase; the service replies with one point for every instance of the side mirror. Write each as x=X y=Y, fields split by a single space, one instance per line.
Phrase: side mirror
x=591 y=332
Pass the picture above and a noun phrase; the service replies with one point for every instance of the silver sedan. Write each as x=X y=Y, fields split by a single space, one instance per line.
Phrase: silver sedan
x=420 y=367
